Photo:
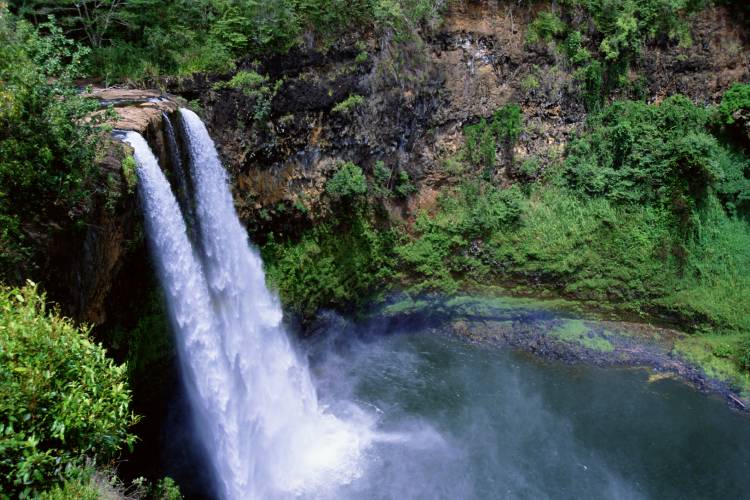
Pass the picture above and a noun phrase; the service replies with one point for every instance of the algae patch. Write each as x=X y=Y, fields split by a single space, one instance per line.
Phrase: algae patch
x=576 y=331
x=710 y=353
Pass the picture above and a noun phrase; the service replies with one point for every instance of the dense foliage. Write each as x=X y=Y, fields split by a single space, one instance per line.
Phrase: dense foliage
x=638 y=153
x=46 y=145
x=62 y=401
x=648 y=209
x=483 y=138
x=347 y=183
x=734 y=103
x=604 y=51
x=339 y=263
x=142 y=38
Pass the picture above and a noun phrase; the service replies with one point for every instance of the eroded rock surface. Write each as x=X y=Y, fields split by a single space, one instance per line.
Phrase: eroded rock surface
x=416 y=100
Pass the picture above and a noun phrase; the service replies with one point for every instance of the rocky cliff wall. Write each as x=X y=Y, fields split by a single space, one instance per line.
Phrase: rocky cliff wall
x=90 y=266
x=281 y=145
x=417 y=97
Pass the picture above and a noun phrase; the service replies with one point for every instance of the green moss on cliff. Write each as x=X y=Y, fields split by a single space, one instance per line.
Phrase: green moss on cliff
x=639 y=215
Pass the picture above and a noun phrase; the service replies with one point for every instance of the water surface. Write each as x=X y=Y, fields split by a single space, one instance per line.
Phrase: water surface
x=463 y=420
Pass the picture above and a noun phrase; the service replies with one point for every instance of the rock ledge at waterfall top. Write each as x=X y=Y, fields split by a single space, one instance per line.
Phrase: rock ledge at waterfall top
x=137 y=109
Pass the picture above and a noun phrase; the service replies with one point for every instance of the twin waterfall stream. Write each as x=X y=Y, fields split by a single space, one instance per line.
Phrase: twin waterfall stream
x=254 y=405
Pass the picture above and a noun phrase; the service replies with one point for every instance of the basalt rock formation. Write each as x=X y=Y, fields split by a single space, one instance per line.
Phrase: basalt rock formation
x=88 y=263
x=417 y=97
x=411 y=102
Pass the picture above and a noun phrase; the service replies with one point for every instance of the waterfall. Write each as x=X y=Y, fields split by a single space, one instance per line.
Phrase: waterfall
x=254 y=404
x=184 y=196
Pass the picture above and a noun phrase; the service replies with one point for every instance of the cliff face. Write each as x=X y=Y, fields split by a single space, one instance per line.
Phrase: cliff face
x=282 y=144
x=87 y=264
x=418 y=96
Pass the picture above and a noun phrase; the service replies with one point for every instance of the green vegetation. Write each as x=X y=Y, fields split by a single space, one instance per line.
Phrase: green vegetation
x=604 y=55
x=92 y=484
x=147 y=38
x=387 y=184
x=719 y=355
x=339 y=263
x=530 y=82
x=575 y=331
x=736 y=99
x=147 y=341
x=636 y=153
x=404 y=187
x=648 y=211
x=255 y=86
x=62 y=401
x=545 y=27
x=87 y=484
x=439 y=253
x=483 y=138
x=348 y=104
x=47 y=149
x=348 y=183
x=129 y=173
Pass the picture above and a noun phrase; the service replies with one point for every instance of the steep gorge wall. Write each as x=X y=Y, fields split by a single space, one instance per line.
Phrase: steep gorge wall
x=416 y=98
x=91 y=266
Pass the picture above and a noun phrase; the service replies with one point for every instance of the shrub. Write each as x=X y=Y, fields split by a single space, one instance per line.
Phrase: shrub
x=530 y=168
x=47 y=146
x=337 y=263
x=129 y=173
x=255 y=86
x=591 y=81
x=482 y=138
x=245 y=81
x=437 y=256
x=733 y=187
x=61 y=399
x=530 y=82
x=480 y=144
x=546 y=27
x=737 y=98
x=348 y=104
x=574 y=49
x=383 y=176
x=506 y=123
x=362 y=57
x=87 y=483
x=639 y=153
x=404 y=187
x=347 y=183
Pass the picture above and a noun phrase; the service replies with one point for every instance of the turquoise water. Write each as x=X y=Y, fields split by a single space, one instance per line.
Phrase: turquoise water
x=461 y=420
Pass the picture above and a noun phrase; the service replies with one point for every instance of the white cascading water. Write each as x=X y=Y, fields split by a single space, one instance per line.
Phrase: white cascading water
x=256 y=409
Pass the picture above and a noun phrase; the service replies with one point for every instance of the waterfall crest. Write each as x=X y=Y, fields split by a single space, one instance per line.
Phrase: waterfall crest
x=254 y=404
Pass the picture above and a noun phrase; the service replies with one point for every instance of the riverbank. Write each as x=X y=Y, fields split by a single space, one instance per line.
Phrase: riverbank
x=561 y=330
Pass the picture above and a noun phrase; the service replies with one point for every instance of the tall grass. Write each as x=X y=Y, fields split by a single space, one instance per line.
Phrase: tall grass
x=715 y=286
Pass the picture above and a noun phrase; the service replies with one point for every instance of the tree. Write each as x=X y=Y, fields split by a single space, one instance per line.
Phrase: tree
x=92 y=17
x=347 y=183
